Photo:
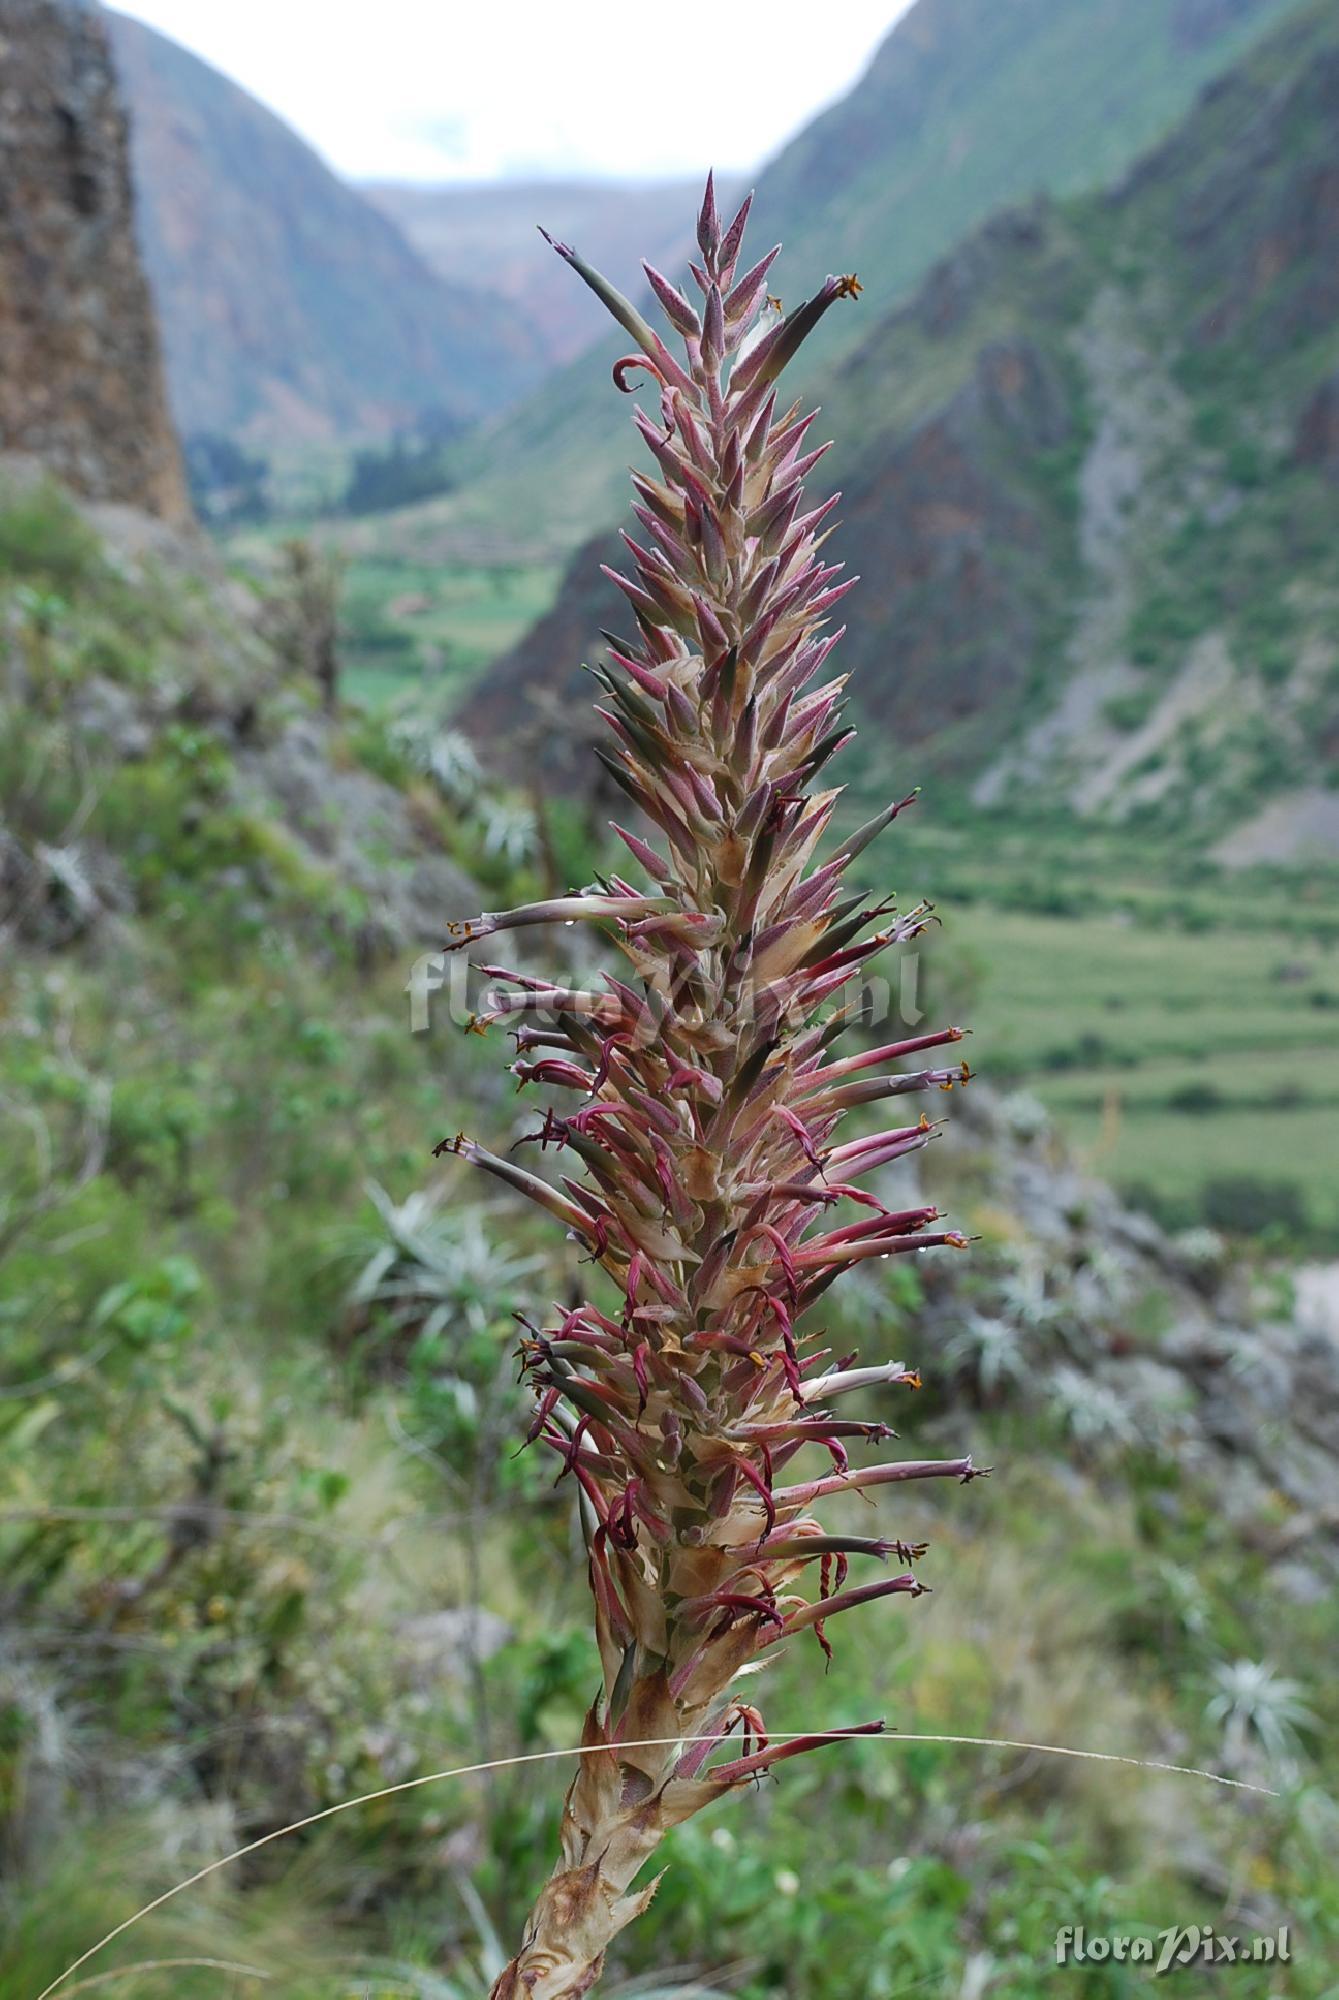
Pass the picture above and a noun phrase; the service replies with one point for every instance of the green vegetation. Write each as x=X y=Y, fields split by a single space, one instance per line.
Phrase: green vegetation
x=411 y=467
x=413 y=621
x=412 y=626
x=267 y=1540
x=1180 y=1048
x=258 y=1414
x=1173 y=1061
x=1111 y=966
x=228 y=484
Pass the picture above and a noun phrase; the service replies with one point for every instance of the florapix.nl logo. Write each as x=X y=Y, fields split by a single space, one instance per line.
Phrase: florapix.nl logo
x=1174 y=1949
x=446 y=983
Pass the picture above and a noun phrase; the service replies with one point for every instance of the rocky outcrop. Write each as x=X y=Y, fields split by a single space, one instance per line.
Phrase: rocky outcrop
x=81 y=383
x=270 y=755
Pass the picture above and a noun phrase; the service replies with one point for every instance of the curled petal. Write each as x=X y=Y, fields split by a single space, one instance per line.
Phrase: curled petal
x=626 y=314
x=627 y=364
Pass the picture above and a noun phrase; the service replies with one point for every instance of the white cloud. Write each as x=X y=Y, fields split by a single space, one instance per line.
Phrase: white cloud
x=444 y=90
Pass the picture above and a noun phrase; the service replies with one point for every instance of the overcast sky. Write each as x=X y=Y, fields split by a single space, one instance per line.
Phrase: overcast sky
x=479 y=89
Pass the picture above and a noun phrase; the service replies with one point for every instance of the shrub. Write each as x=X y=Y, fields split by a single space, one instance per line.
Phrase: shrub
x=1247 y=1204
x=43 y=536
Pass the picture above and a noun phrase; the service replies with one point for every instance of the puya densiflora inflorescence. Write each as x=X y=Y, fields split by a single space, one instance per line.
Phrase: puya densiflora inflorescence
x=700 y=1103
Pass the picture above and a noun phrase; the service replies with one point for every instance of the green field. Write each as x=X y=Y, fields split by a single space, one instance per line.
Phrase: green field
x=1180 y=1064
x=1180 y=1022
x=413 y=616
x=408 y=624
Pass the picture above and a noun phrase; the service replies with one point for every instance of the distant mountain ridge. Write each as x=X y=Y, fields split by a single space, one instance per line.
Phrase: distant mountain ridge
x=966 y=106
x=292 y=309
x=1091 y=484
x=466 y=231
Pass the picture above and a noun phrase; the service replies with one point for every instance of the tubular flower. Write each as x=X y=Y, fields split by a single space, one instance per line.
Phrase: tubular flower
x=700 y=1107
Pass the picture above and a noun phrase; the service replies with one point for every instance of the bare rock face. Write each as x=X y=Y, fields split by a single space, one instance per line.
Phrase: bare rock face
x=81 y=384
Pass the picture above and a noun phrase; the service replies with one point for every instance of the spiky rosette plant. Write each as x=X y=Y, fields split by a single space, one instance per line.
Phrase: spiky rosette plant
x=702 y=1105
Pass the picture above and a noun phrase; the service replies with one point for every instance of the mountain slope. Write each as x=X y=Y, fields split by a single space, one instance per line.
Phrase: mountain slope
x=465 y=229
x=291 y=308
x=267 y=1538
x=966 y=106
x=1091 y=480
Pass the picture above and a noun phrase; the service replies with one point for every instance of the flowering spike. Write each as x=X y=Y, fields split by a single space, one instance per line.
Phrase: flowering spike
x=702 y=1113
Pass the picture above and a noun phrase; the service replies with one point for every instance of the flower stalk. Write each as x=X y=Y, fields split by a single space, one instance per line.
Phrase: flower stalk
x=701 y=1113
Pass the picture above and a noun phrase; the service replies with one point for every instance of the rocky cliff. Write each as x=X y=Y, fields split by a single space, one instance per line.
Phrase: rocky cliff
x=81 y=383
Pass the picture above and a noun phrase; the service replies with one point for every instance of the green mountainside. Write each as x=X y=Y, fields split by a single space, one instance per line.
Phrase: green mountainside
x=966 y=106
x=1091 y=482
x=292 y=309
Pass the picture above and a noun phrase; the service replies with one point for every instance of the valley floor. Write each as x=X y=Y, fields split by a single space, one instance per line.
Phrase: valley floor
x=1180 y=1020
